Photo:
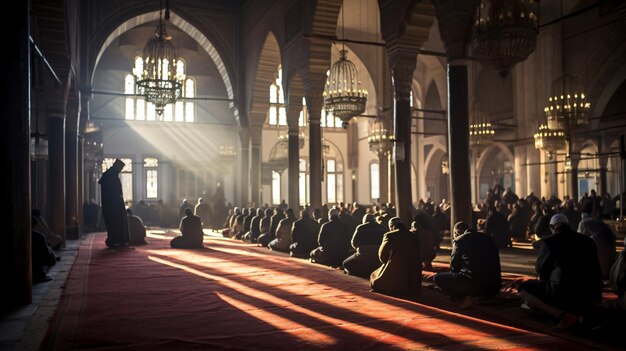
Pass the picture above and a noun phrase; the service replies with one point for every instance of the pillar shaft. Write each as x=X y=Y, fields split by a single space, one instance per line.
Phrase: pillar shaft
x=458 y=138
x=255 y=173
x=314 y=105
x=56 y=175
x=15 y=243
x=71 y=182
x=383 y=172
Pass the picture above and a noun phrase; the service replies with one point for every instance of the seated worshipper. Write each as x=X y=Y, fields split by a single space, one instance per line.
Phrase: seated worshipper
x=570 y=279
x=401 y=270
x=333 y=240
x=266 y=238
x=604 y=238
x=239 y=224
x=42 y=255
x=366 y=241
x=474 y=267
x=226 y=225
x=428 y=243
x=304 y=235
x=54 y=240
x=136 y=228
x=498 y=227
x=255 y=229
x=264 y=224
x=191 y=229
x=283 y=233
x=203 y=210
x=542 y=227
x=247 y=222
x=617 y=278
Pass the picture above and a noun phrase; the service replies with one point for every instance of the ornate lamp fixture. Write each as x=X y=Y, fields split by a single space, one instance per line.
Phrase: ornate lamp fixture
x=160 y=82
x=550 y=140
x=343 y=94
x=505 y=32
x=279 y=157
x=567 y=105
x=285 y=139
x=481 y=132
x=227 y=154
x=93 y=152
x=445 y=167
x=567 y=109
x=378 y=138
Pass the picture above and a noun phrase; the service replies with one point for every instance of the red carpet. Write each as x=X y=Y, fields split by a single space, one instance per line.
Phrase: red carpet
x=234 y=296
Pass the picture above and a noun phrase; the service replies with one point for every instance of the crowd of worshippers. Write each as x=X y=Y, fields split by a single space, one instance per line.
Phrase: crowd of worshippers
x=574 y=256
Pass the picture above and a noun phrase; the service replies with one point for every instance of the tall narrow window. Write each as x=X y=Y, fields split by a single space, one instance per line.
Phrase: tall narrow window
x=151 y=165
x=303 y=183
x=276 y=188
x=138 y=109
x=277 y=114
x=374 y=180
x=331 y=181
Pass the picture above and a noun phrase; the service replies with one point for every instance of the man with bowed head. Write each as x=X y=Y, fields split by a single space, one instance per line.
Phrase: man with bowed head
x=570 y=278
x=474 y=267
x=191 y=230
x=113 y=207
x=401 y=270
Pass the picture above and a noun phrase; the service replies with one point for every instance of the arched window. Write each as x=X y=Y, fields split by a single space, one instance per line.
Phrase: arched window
x=374 y=181
x=276 y=188
x=277 y=114
x=151 y=166
x=137 y=109
x=334 y=181
x=303 y=182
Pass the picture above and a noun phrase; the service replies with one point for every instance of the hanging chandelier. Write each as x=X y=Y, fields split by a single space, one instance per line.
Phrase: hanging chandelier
x=279 y=157
x=505 y=32
x=227 y=154
x=160 y=82
x=481 y=132
x=343 y=95
x=284 y=138
x=378 y=138
x=550 y=140
x=567 y=105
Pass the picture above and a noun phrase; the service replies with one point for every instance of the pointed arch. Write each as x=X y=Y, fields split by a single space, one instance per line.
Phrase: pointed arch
x=265 y=74
x=190 y=30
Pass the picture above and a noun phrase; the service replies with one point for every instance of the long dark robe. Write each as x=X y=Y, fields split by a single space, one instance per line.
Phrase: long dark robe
x=113 y=208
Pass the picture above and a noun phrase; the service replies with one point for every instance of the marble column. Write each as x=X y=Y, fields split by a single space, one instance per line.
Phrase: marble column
x=15 y=240
x=255 y=173
x=244 y=194
x=402 y=67
x=293 y=113
x=455 y=19
x=572 y=180
x=71 y=178
x=314 y=106
x=56 y=169
x=458 y=137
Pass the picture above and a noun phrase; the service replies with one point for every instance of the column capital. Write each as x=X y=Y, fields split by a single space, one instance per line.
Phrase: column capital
x=455 y=19
x=314 y=104
x=402 y=67
x=293 y=115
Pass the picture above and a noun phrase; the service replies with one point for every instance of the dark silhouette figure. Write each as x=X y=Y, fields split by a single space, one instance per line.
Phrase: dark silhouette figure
x=113 y=208
x=42 y=255
x=191 y=230
x=474 y=267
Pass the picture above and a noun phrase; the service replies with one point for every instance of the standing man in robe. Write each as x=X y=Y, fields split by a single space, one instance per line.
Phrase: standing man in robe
x=113 y=208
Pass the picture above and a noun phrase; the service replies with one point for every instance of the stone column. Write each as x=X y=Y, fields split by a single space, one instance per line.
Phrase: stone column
x=15 y=239
x=603 y=163
x=383 y=172
x=244 y=194
x=55 y=111
x=455 y=20
x=255 y=173
x=572 y=181
x=293 y=113
x=71 y=175
x=402 y=67
x=314 y=106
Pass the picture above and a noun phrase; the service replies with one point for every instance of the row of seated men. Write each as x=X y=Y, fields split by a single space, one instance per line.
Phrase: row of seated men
x=569 y=280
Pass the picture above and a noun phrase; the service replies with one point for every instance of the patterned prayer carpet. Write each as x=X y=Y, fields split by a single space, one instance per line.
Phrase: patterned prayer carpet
x=237 y=296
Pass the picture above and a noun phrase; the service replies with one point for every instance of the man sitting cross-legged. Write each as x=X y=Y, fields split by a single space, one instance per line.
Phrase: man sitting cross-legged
x=474 y=267
x=191 y=228
x=366 y=241
x=570 y=278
